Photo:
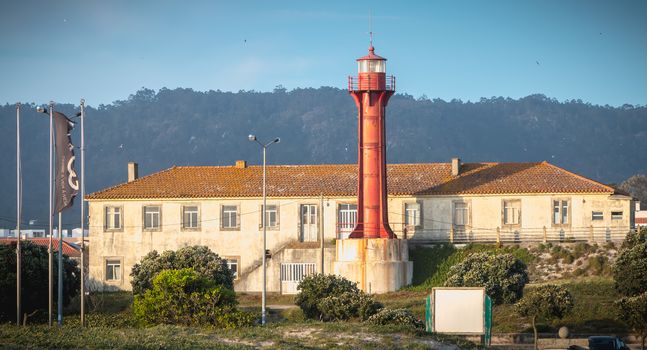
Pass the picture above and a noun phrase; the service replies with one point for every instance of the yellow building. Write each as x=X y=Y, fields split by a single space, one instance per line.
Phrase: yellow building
x=220 y=207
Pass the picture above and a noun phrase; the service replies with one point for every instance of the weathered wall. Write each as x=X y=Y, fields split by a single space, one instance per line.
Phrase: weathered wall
x=132 y=242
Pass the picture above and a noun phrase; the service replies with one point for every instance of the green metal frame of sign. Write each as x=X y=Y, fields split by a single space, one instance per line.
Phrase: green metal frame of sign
x=487 y=318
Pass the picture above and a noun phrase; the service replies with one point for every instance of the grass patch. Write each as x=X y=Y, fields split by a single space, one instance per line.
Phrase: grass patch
x=304 y=335
x=593 y=310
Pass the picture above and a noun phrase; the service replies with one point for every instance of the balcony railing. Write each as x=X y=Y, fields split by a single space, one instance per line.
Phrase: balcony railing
x=365 y=83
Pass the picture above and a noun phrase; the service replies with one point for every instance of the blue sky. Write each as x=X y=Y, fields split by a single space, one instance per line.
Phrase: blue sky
x=103 y=51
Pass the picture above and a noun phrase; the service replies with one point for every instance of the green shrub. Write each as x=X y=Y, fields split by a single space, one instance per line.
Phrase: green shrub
x=200 y=258
x=402 y=317
x=348 y=305
x=633 y=311
x=186 y=298
x=598 y=264
x=630 y=269
x=431 y=265
x=503 y=276
x=581 y=249
x=316 y=287
x=294 y=314
x=634 y=238
x=545 y=302
x=34 y=279
x=568 y=258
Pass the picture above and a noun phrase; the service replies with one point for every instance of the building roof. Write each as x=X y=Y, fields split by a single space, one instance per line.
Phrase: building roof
x=341 y=180
x=68 y=248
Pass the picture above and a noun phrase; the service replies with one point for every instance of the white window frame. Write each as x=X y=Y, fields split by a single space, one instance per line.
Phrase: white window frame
x=272 y=210
x=617 y=215
x=193 y=224
x=109 y=212
x=225 y=220
x=233 y=260
x=597 y=215
x=344 y=211
x=557 y=212
x=412 y=211
x=466 y=222
x=511 y=208
x=112 y=262
x=152 y=214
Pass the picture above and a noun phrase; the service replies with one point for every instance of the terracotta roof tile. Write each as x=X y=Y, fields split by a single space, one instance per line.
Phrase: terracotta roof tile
x=68 y=248
x=341 y=180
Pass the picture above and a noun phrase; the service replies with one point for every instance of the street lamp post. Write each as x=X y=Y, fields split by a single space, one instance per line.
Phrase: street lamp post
x=264 y=219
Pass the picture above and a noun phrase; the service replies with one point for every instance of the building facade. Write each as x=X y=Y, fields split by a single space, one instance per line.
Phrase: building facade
x=221 y=207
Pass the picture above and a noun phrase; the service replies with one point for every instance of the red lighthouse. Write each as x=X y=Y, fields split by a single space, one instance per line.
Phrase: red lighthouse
x=371 y=90
x=373 y=258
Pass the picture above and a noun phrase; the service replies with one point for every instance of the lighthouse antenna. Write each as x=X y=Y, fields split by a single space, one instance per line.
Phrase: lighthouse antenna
x=370 y=29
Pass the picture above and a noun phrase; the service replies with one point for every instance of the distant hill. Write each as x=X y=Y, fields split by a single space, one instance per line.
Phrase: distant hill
x=182 y=127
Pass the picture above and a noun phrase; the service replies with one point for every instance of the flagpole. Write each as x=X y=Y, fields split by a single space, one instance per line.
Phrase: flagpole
x=18 y=209
x=60 y=269
x=82 y=214
x=51 y=215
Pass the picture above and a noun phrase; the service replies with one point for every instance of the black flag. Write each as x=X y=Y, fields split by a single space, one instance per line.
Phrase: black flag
x=66 y=182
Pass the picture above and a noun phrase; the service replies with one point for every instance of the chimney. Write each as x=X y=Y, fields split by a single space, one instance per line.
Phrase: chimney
x=132 y=171
x=456 y=166
x=241 y=164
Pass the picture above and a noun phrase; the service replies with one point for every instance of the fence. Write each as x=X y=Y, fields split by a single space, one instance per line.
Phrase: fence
x=504 y=235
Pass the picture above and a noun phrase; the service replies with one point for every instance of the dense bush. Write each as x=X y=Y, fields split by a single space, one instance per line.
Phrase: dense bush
x=332 y=298
x=633 y=311
x=432 y=265
x=184 y=297
x=34 y=279
x=200 y=258
x=545 y=302
x=348 y=305
x=632 y=239
x=630 y=270
x=403 y=317
x=502 y=275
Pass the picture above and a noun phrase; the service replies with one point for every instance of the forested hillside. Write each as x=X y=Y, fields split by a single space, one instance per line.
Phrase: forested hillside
x=186 y=127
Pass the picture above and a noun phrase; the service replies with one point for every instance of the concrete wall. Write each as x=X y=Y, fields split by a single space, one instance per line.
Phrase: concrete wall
x=131 y=243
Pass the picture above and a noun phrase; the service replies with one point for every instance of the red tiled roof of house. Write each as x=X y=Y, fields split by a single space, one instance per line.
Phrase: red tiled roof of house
x=68 y=248
x=341 y=180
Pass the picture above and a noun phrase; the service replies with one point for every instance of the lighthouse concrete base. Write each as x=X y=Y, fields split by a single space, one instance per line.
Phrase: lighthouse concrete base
x=378 y=265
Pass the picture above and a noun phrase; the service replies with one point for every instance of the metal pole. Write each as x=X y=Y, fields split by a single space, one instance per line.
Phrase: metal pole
x=82 y=214
x=51 y=217
x=264 y=241
x=321 y=232
x=18 y=209
x=60 y=270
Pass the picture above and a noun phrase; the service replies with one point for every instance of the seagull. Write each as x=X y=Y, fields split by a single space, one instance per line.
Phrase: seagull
x=537 y=62
x=121 y=146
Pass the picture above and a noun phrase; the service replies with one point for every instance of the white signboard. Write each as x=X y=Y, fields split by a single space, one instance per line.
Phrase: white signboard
x=458 y=310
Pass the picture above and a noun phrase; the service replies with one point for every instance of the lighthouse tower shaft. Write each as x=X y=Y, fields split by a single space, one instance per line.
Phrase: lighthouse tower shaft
x=371 y=90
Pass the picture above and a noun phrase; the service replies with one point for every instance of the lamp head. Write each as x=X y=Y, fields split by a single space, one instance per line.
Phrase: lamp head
x=277 y=140
x=40 y=109
x=251 y=137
